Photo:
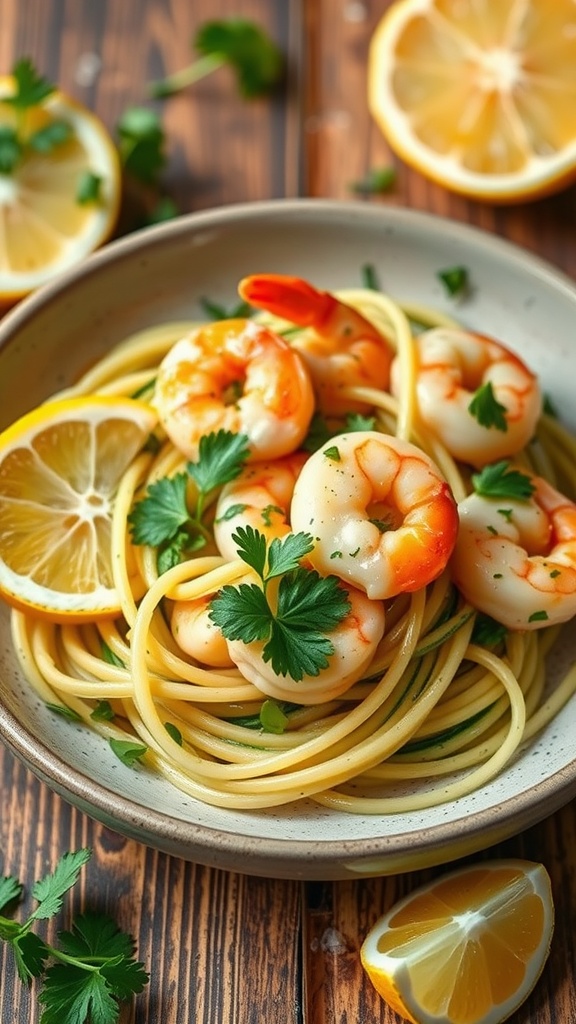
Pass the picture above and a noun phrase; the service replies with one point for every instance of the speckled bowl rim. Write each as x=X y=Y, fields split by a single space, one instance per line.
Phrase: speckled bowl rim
x=256 y=854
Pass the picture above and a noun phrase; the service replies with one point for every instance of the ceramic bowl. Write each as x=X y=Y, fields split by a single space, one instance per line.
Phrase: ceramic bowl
x=161 y=274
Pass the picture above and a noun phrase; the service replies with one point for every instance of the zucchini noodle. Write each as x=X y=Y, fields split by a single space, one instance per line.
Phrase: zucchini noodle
x=435 y=716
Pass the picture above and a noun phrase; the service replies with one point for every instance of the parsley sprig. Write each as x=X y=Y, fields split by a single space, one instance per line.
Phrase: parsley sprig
x=30 y=90
x=499 y=480
x=163 y=518
x=486 y=408
x=307 y=606
x=244 y=46
x=91 y=970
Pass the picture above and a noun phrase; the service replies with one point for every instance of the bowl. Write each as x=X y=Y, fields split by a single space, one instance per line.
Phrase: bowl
x=161 y=274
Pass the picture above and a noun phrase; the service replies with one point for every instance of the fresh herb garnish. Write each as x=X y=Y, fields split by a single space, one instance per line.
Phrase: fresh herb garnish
x=272 y=717
x=356 y=421
x=498 y=480
x=376 y=181
x=216 y=311
x=332 y=453
x=141 y=144
x=89 y=188
x=308 y=606
x=30 y=90
x=454 y=279
x=128 y=751
x=487 y=632
x=486 y=408
x=163 y=519
x=103 y=712
x=254 y=56
x=92 y=969
x=540 y=616
x=370 y=277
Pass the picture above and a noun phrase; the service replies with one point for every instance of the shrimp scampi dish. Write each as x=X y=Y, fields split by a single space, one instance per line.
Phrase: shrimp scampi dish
x=342 y=557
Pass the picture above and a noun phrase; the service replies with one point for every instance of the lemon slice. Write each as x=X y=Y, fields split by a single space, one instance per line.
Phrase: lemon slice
x=44 y=228
x=479 y=96
x=466 y=948
x=59 y=469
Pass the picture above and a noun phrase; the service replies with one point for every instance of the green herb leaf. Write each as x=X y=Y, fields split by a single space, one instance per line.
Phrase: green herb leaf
x=295 y=654
x=285 y=553
x=355 y=421
x=97 y=937
x=540 y=616
x=10 y=889
x=318 y=433
x=272 y=717
x=53 y=134
x=370 y=278
x=64 y=712
x=173 y=732
x=10 y=149
x=485 y=407
x=103 y=712
x=305 y=597
x=31 y=88
x=251 y=546
x=165 y=209
x=216 y=311
x=141 y=144
x=159 y=516
x=221 y=456
x=487 y=632
x=242 y=612
x=499 y=481
x=89 y=188
x=255 y=58
x=454 y=279
x=50 y=889
x=128 y=751
x=377 y=181
x=332 y=453
x=109 y=656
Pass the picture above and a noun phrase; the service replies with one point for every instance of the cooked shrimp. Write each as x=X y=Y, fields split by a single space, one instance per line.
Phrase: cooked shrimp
x=355 y=640
x=234 y=375
x=196 y=634
x=381 y=514
x=342 y=349
x=452 y=365
x=516 y=560
x=259 y=497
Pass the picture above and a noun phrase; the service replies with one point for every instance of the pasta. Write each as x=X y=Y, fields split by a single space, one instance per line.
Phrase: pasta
x=437 y=712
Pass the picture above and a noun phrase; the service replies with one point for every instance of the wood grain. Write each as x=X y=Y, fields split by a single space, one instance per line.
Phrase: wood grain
x=223 y=948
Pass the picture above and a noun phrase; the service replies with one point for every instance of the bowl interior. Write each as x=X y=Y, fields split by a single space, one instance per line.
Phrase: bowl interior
x=161 y=275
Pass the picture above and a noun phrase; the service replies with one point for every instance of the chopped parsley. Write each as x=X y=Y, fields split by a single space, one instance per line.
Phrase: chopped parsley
x=486 y=408
x=498 y=480
x=454 y=279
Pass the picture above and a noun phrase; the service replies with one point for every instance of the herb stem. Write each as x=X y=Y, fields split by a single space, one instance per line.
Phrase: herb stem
x=200 y=68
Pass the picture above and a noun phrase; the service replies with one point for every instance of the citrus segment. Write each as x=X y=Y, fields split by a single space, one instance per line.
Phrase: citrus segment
x=44 y=226
x=59 y=468
x=464 y=949
x=479 y=95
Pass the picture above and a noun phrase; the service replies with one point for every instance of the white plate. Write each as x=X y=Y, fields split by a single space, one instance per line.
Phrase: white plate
x=160 y=275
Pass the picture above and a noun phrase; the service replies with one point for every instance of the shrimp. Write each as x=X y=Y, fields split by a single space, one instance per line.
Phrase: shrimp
x=516 y=560
x=452 y=365
x=239 y=376
x=354 y=640
x=259 y=497
x=197 y=635
x=382 y=516
x=342 y=349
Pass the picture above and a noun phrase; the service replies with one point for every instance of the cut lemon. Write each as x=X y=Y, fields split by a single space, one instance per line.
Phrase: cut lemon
x=59 y=469
x=467 y=948
x=479 y=95
x=45 y=227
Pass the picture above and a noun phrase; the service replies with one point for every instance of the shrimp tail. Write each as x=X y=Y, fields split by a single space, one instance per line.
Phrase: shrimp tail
x=290 y=298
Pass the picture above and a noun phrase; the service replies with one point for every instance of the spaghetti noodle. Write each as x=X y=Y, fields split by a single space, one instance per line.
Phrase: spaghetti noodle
x=437 y=713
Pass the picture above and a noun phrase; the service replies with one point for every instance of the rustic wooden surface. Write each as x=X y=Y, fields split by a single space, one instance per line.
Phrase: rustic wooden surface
x=222 y=947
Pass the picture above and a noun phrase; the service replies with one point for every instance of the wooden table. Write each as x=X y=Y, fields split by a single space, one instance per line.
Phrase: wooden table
x=224 y=948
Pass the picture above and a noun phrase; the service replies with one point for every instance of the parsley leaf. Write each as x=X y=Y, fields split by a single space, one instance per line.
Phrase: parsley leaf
x=128 y=751
x=370 y=277
x=50 y=136
x=216 y=311
x=454 y=279
x=255 y=58
x=487 y=632
x=272 y=717
x=221 y=456
x=141 y=144
x=377 y=181
x=31 y=88
x=307 y=605
x=356 y=421
x=10 y=149
x=159 y=516
x=486 y=408
x=89 y=188
x=91 y=970
x=499 y=481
